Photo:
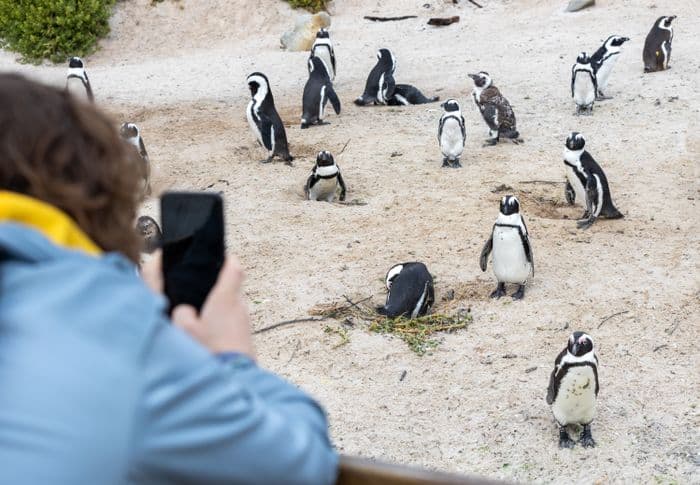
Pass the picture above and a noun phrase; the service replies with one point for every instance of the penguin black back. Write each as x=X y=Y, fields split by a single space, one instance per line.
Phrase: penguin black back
x=317 y=92
x=657 y=46
x=380 y=82
x=411 y=291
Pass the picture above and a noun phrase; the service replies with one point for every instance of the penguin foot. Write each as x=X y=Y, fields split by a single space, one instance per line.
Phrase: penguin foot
x=586 y=439
x=520 y=293
x=456 y=164
x=445 y=162
x=585 y=224
x=304 y=126
x=602 y=97
x=491 y=142
x=499 y=291
x=267 y=160
x=517 y=141
x=564 y=440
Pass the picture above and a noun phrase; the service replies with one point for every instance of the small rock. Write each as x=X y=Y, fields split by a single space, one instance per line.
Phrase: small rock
x=304 y=33
x=449 y=295
x=530 y=369
x=396 y=154
x=575 y=5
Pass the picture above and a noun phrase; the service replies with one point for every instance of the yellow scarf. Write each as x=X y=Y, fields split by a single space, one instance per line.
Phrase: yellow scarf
x=53 y=223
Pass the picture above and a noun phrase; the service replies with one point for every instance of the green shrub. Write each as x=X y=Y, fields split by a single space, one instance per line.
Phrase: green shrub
x=310 y=5
x=53 y=29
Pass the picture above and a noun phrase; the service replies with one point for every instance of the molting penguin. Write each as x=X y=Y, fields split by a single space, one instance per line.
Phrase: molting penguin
x=657 y=46
x=512 y=254
x=604 y=59
x=586 y=183
x=77 y=82
x=573 y=389
x=405 y=94
x=131 y=134
x=451 y=134
x=264 y=120
x=323 y=49
x=584 y=84
x=325 y=179
x=318 y=90
x=411 y=292
x=148 y=229
x=380 y=82
x=494 y=108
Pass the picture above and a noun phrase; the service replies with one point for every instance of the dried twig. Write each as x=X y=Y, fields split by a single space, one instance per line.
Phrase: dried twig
x=551 y=182
x=344 y=146
x=474 y=3
x=289 y=322
x=659 y=347
x=389 y=19
x=610 y=316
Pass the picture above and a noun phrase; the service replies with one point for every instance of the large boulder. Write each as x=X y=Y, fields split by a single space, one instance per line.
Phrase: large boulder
x=304 y=33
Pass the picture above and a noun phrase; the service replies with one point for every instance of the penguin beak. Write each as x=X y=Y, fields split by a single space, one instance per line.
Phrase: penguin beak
x=625 y=39
x=473 y=76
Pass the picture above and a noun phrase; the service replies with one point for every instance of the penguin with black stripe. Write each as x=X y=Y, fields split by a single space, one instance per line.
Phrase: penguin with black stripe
x=657 y=46
x=573 y=389
x=77 y=82
x=510 y=243
x=603 y=60
x=495 y=109
x=411 y=292
x=325 y=179
x=317 y=92
x=323 y=49
x=451 y=134
x=150 y=233
x=131 y=134
x=586 y=183
x=380 y=84
x=264 y=120
x=584 y=84
x=405 y=94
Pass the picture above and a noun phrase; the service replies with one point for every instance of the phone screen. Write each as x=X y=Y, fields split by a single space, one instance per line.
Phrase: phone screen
x=193 y=245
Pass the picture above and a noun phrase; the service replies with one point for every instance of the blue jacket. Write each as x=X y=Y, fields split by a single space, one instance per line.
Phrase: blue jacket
x=97 y=387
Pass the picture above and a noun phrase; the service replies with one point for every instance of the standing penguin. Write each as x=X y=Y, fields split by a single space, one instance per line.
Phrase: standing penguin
x=318 y=91
x=586 y=183
x=451 y=134
x=657 y=47
x=325 y=179
x=77 y=82
x=264 y=120
x=323 y=49
x=380 y=82
x=512 y=254
x=573 y=389
x=494 y=108
x=131 y=134
x=584 y=85
x=411 y=292
x=603 y=60
x=150 y=233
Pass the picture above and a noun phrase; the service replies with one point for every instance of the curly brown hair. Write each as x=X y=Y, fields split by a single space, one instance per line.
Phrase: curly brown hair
x=67 y=153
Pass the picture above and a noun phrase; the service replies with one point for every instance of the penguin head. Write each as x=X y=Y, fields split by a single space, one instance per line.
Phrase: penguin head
x=583 y=58
x=614 y=42
x=450 y=105
x=510 y=205
x=322 y=34
x=665 y=21
x=258 y=84
x=392 y=274
x=575 y=141
x=325 y=159
x=148 y=229
x=129 y=130
x=481 y=79
x=386 y=55
x=75 y=62
x=580 y=343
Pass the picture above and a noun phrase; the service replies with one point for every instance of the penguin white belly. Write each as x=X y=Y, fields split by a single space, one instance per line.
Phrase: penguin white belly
x=324 y=189
x=325 y=56
x=579 y=190
x=576 y=399
x=584 y=91
x=604 y=72
x=76 y=88
x=251 y=122
x=509 y=262
x=451 y=141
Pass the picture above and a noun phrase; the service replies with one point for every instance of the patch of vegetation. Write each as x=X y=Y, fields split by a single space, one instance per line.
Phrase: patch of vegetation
x=340 y=332
x=53 y=29
x=312 y=6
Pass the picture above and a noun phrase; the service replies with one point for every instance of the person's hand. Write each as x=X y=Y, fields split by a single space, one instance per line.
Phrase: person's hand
x=223 y=325
x=152 y=272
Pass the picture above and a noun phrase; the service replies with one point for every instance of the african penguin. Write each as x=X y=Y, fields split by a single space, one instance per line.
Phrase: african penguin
x=657 y=46
x=131 y=134
x=451 y=134
x=264 y=120
x=573 y=389
x=586 y=183
x=512 y=254
x=603 y=60
x=494 y=108
x=317 y=92
x=405 y=94
x=584 y=84
x=411 y=292
x=148 y=229
x=77 y=82
x=325 y=179
x=323 y=49
x=380 y=82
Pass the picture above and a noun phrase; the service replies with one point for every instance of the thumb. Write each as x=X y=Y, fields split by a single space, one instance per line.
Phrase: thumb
x=185 y=317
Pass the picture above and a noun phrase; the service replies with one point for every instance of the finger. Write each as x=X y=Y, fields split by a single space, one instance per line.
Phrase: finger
x=185 y=317
x=228 y=283
x=152 y=273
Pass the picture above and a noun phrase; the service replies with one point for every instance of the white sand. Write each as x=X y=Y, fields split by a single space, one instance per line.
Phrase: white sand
x=180 y=74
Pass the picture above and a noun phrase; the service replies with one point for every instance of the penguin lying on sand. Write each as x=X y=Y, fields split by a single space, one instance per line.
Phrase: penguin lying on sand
x=584 y=84
x=512 y=254
x=451 y=134
x=657 y=46
x=411 y=292
x=495 y=109
x=317 y=92
x=573 y=389
x=264 y=120
x=586 y=183
x=380 y=82
x=603 y=60
x=77 y=82
x=405 y=94
x=325 y=179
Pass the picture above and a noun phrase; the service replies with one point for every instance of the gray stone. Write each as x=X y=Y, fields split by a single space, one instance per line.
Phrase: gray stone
x=575 y=5
x=304 y=33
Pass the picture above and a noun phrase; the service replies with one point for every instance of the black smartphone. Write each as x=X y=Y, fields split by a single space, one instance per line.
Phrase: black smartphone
x=193 y=245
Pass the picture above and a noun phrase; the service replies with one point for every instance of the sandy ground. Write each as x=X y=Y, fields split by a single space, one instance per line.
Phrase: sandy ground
x=477 y=403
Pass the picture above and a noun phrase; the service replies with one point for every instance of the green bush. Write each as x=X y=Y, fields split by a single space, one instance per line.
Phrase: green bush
x=310 y=5
x=53 y=29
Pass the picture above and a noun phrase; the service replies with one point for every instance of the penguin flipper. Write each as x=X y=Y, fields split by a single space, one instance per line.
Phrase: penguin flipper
x=483 y=259
x=343 y=189
x=526 y=247
x=88 y=88
x=490 y=113
x=333 y=98
x=266 y=131
x=554 y=379
x=309 y=183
